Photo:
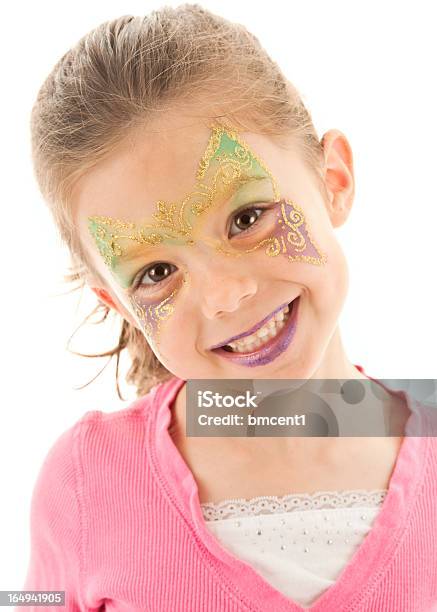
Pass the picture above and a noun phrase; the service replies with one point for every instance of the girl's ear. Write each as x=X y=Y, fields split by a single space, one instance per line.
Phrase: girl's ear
x=107 y=299
x=339 y=176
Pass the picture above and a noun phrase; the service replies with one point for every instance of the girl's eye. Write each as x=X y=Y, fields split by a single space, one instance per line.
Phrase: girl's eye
x=249 y=217
x=156 y=273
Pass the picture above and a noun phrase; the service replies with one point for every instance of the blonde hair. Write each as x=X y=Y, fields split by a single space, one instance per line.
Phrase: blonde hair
x=119 y=76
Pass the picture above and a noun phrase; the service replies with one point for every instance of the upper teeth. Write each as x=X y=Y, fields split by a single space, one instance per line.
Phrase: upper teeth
x=263 y=334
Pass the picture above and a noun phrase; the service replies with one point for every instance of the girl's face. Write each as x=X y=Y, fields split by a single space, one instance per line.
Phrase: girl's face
x=203 y=234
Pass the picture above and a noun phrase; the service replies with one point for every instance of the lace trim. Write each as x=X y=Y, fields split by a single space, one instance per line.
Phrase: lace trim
x=272 y=504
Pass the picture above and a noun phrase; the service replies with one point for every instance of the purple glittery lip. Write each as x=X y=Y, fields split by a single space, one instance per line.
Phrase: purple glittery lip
x=250 y=331
x=269 y=351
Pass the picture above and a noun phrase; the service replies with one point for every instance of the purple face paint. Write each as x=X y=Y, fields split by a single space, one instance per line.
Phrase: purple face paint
x=152 y=315
x=290 y=237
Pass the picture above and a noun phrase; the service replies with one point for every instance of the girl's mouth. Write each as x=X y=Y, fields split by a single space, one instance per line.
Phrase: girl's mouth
x=266 y=343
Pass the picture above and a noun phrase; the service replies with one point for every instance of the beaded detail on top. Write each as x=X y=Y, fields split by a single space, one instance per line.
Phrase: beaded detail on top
x=272 y=504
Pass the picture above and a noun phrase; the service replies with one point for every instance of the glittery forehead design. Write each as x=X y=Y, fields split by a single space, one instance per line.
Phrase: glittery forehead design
x=226 y=164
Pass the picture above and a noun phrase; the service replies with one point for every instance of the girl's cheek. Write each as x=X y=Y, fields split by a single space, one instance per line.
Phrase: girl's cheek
x=153 y=316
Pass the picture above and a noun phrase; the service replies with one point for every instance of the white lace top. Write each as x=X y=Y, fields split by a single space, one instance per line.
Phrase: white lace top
x=300 y=542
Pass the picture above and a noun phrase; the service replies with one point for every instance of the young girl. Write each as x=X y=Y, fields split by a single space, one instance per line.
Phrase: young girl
x=187 y=179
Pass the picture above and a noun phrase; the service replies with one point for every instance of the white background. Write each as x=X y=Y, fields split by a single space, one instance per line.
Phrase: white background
x=365 y=68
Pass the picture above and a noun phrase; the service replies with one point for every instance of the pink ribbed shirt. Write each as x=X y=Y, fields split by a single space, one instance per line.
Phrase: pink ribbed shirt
x=116 y=522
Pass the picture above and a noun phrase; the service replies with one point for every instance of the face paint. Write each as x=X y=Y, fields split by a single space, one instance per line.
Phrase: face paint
x=291 y=237
x=151 y=316
x=228 y=170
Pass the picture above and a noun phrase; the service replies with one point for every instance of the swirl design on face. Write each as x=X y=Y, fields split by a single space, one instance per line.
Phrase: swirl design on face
x=151 y=316
x=291 y=238
x=226 y=165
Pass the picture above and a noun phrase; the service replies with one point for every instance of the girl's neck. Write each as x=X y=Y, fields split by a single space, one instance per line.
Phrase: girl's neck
x=335 y=363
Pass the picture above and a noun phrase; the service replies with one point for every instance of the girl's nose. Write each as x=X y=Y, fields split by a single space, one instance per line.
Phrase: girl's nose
x=226 y=295
x=224 y=282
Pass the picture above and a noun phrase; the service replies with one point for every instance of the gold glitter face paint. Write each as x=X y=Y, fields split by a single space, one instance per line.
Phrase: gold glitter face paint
x=228 y=171
x=151 y=316
x=291 y=237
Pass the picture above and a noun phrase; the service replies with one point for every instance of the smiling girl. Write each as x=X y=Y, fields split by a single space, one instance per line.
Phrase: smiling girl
x=187 y=179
